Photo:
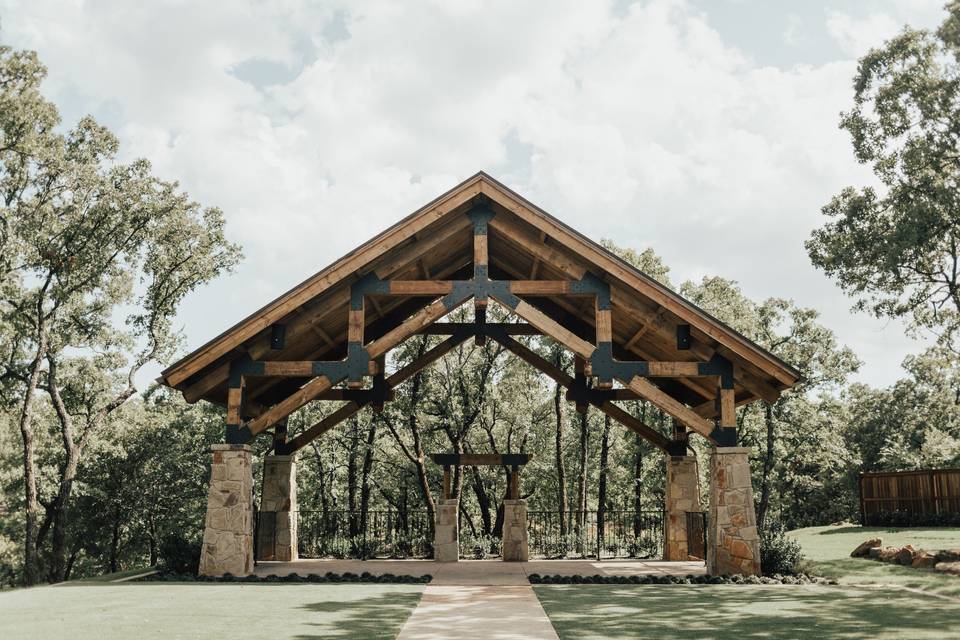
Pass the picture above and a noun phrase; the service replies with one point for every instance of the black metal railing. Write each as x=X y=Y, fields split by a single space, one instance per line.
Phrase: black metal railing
x=391 y=534
x=615 y=534
x=381 y=534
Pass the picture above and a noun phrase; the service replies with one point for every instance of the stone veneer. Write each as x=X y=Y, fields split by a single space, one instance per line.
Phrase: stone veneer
x=280 y=499
x=733 y=545
x=228 y=536
x=446 y=542
x=515 y=547
x=683 y=495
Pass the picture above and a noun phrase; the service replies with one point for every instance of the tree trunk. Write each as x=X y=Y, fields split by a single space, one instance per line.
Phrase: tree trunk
x=59 y=549
x=561 y=470
x=602 y=489
x=31 y=506
x=582 y=478
x=483 y=500
x=354 y=524
x=768 y=460
x=365 y=478
x=637 y=484
x=115 y=540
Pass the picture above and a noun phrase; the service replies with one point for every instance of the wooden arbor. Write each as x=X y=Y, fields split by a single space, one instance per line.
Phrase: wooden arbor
x=327 y=338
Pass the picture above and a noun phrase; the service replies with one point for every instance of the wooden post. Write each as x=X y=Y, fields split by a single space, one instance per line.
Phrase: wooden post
x=355 y=327
x=604 y=321
x=515 y=483
x=446 y=482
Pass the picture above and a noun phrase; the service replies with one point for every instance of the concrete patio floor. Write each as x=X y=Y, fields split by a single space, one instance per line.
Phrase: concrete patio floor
x=492 y=572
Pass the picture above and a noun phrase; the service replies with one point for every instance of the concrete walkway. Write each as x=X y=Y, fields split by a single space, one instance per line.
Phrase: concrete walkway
x=481 y=598
x=498 y=613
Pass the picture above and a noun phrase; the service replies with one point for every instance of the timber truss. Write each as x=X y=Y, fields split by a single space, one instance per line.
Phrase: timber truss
x=595 y=359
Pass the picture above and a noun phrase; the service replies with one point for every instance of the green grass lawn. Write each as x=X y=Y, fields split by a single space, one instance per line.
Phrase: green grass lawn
x=739 y=611
x=188 y=610
x=828 y=550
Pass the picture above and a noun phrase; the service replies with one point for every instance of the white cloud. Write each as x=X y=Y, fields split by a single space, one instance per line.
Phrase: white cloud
x=856 y=36
x=642 y=125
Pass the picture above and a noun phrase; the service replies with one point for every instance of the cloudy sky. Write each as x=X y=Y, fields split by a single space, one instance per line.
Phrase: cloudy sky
x=706 y=130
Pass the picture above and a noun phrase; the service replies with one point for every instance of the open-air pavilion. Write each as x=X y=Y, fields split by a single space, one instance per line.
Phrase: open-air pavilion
x=326 y=340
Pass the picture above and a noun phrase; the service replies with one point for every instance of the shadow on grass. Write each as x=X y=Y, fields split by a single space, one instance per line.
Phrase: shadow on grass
x=859 y=529
x=743 y=612
x=379 y=616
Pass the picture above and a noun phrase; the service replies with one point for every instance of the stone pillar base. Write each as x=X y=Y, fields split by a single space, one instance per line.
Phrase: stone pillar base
x=277 y=524
x=228 y=535
x=682 y=495
x=515 y=548
x=733 y=544
x=446 y=542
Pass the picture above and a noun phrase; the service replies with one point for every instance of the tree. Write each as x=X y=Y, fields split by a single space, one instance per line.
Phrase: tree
x=895 y=249
x=86 y=240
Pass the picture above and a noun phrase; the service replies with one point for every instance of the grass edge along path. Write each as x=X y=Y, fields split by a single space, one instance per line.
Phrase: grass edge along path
x=149 y=611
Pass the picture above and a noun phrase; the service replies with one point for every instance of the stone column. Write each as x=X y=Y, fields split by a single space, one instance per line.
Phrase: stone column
x=228 y=536
x=683 y=495
x=446 y=543
x=733 y=545
x=515 y=548
x=277 y=531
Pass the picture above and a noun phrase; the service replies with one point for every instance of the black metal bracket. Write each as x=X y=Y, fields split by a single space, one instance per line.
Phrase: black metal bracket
x=724 y=436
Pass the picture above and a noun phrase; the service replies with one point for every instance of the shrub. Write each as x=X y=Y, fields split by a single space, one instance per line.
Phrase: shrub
x=910 y=519
x=178 y=554
x=779 y=554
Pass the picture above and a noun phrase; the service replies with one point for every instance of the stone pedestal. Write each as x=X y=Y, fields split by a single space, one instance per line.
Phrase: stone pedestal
x=683 y=495
x=277 y=524
x=515 y=548
x=733 y=544
x=446 y=542
x=228 y=536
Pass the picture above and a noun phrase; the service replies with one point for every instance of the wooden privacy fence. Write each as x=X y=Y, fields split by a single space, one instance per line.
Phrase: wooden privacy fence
x=925 y=491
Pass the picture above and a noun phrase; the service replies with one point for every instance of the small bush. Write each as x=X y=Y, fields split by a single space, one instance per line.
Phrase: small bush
x=779 y=554
x=179 y=554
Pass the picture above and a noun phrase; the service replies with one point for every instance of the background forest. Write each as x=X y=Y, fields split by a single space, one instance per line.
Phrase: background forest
x=97 y=475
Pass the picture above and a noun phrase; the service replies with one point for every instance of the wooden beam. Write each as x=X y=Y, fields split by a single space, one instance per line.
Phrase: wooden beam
x=636 y=425
x=728 y=408
x=540 y=287
x=346 y=411
x=420 y=287
x=290 y=404
x=673 y=369
x=429 y=357
x=450 y=328
x=651 y=289
x=321 y=282
x=565 y=380
x=481 y=459
x=553 y=329
x=530 y=241
x=411 y=326
x=674 y=408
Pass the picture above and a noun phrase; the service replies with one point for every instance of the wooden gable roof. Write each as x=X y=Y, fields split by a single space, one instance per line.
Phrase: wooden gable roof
x=436 y=243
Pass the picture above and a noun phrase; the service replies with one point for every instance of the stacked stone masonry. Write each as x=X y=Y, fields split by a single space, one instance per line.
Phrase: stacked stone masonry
x=733 y=544
x=277 y=535
x=682 y=495
x=515 y=545
x=446 y=544
x=228 y=535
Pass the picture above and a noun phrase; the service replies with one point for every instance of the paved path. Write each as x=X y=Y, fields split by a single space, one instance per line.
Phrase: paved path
x=481 y=598
x=495 y=612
